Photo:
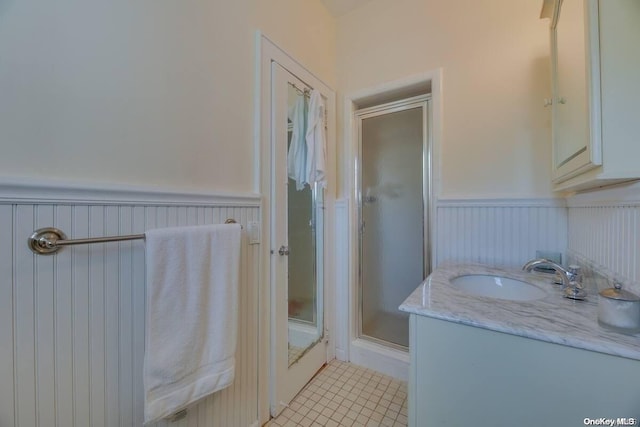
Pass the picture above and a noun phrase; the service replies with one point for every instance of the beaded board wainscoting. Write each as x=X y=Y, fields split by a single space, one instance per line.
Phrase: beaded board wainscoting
x=72 y=324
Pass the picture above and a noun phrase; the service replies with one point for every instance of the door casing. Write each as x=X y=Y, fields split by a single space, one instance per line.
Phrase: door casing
x=267 y=53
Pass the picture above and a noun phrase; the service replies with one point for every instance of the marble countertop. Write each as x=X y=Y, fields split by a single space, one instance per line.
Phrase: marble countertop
x=553 y=318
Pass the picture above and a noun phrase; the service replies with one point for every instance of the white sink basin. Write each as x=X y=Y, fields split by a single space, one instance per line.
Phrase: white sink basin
x=498 y=287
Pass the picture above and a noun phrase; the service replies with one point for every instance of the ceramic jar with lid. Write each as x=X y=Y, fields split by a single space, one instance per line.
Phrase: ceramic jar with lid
x=619 y=309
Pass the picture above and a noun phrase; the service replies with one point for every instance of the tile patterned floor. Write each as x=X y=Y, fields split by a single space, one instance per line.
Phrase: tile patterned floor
x=343 y=394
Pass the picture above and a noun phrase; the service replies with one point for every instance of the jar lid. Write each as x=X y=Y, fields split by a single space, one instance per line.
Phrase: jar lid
x=618 y=293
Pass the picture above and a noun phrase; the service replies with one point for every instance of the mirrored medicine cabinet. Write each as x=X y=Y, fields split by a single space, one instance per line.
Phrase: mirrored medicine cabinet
x=595 y=104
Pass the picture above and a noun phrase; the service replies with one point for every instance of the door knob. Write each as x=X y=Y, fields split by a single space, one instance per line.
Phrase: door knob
x=284 y=250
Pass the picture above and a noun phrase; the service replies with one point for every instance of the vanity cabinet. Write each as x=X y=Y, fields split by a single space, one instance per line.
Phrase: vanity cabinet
x=595 y=61
x=463 y=375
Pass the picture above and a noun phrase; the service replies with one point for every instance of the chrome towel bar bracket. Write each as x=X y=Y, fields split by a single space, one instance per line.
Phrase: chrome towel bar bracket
x=49 y=240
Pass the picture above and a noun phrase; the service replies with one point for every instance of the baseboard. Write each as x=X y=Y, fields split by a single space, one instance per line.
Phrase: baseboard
x=341 y=355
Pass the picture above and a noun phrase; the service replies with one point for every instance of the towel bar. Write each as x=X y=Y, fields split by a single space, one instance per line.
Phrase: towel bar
x=49 y=240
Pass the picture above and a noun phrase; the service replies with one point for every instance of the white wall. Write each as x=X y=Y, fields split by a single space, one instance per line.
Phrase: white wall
x=495 y=60
x=303 y=29
x=147 y=92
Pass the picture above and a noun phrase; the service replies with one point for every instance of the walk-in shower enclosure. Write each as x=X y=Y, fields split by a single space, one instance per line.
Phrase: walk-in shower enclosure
x=393 y=191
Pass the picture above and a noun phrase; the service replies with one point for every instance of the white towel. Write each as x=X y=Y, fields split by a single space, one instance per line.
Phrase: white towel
x=297 y=154
x=316 y=142
x=192 y=299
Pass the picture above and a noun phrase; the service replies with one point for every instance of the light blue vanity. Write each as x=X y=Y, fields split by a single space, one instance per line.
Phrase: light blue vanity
x=499 y=357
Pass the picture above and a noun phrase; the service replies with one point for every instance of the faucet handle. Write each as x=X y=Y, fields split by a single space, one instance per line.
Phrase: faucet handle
x=575 y=273
x=575 y=290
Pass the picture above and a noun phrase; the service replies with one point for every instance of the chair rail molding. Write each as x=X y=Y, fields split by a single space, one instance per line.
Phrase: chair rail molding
x=41 y=191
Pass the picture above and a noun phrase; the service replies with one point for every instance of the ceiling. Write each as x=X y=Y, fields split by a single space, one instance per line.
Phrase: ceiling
x=342 y=7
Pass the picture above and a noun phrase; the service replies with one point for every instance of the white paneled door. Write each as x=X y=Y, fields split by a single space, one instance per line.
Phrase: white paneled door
x=297 y=258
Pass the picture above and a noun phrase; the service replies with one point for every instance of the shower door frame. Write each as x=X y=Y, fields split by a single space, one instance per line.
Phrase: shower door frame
x=423 y=102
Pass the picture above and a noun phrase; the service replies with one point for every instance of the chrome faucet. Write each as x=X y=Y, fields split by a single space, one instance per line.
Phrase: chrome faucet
x=571 y=278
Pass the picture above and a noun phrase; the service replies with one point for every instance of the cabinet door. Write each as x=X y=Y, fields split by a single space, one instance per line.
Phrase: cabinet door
x=576 y=88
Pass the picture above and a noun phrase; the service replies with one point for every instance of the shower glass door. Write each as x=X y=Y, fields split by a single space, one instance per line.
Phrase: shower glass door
x=393 y=190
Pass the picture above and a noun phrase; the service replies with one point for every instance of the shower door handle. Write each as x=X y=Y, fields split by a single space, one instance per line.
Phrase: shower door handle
x=284 y=250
